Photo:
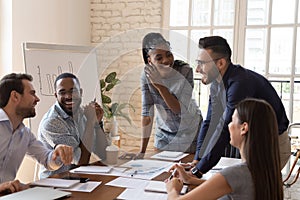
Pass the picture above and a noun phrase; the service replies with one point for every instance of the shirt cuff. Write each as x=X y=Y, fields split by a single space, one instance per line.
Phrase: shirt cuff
x=54 y=164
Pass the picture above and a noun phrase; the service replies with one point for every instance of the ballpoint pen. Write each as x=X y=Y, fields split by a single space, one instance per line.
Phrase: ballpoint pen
x=173 y=173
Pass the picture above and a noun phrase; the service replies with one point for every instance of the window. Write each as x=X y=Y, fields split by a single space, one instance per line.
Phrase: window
x=263 y=34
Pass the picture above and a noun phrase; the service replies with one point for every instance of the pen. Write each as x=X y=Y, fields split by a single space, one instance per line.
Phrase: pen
x=135 y=172
x=173 y=173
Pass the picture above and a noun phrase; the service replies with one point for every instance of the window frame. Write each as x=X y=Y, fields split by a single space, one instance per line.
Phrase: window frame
x=239 y=37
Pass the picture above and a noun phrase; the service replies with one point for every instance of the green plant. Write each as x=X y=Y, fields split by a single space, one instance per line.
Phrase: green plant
x=112 y=109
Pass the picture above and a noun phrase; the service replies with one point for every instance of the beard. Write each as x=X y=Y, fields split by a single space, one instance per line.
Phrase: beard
x=25 y=112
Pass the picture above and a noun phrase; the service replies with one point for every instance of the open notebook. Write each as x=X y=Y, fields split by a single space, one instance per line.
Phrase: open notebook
x=37 y=193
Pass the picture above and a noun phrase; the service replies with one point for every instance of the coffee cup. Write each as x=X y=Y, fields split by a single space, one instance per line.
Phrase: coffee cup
x=112 y=152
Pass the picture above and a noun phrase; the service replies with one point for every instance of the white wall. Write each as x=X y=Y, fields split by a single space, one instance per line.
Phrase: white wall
x=75 y=22
x=47 y=21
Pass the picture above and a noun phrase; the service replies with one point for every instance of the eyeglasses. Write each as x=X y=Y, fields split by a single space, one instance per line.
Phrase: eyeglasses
x=70 y=92
x=202 y=62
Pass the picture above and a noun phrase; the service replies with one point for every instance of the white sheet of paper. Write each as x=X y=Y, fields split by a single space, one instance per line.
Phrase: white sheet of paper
x=36 y=193
x=145 y=169
x=83 y=187
x=55 y=182
x=170 y=155
x=223 y=163
x=115 y=171
x=160 y=186
x=226 y=162
x=128 y=182
x=92 y=169
x=137 y=194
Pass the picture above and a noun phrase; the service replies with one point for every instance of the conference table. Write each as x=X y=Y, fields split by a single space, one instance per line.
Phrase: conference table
x=105 y=192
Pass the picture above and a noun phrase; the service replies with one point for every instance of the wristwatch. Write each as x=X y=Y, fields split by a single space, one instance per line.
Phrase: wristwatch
x=196 y=172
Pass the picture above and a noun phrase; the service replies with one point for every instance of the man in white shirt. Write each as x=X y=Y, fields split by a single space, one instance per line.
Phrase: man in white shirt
x=17 y=102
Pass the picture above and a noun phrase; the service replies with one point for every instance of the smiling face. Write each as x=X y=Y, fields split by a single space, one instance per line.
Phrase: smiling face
x=68 y=95
x=207 y=66
x=28 y=101
x=162 y=58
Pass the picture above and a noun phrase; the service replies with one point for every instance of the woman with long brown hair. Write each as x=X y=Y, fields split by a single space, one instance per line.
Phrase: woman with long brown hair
x=253 y=130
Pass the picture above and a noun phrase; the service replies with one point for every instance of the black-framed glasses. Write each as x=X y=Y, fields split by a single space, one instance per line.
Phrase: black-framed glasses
x=203 y=62
x=73 y=92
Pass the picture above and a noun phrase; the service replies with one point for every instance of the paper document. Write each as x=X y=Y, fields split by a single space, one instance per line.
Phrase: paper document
x=128 y=183
x=145 y=169
x=226 y=162
x=55 y=182
x=170 y=155
x=92 y=169
x=138 y=194
x=160 y=186
x=37 y=193
x=83 y=187
x=223 y=163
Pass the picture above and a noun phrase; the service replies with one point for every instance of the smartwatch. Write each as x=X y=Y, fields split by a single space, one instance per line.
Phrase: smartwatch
x=196 y=172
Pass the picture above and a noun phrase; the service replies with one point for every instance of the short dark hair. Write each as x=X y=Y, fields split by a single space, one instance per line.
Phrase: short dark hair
x=150 y=41
x=65 y=75
x=9 y=83
x=217 y=44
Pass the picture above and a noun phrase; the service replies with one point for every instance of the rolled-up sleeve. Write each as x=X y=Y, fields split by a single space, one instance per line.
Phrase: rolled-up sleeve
x=147 y=100
x=55 y=131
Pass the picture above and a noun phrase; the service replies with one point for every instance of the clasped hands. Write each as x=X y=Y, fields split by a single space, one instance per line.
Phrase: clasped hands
x=181 y=176
x=93 y=112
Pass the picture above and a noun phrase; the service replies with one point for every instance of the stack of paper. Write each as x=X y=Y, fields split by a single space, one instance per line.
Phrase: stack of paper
x=37 y=193
x=137 y=188
x=170 y=155
x=69 y=185
x=55 y=182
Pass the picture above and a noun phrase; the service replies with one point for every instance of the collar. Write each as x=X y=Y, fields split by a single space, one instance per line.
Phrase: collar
x=4 y=117
x=227 y=73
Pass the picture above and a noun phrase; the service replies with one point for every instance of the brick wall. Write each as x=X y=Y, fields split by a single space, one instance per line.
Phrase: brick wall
x=117 y=30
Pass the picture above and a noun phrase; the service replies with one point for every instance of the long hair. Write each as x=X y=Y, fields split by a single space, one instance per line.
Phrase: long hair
x=261 y=148
x=9 y=83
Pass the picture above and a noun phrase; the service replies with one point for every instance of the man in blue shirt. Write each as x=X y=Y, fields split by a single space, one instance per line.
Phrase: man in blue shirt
x=66 y=122
x=230 y=84
x=17 y=102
